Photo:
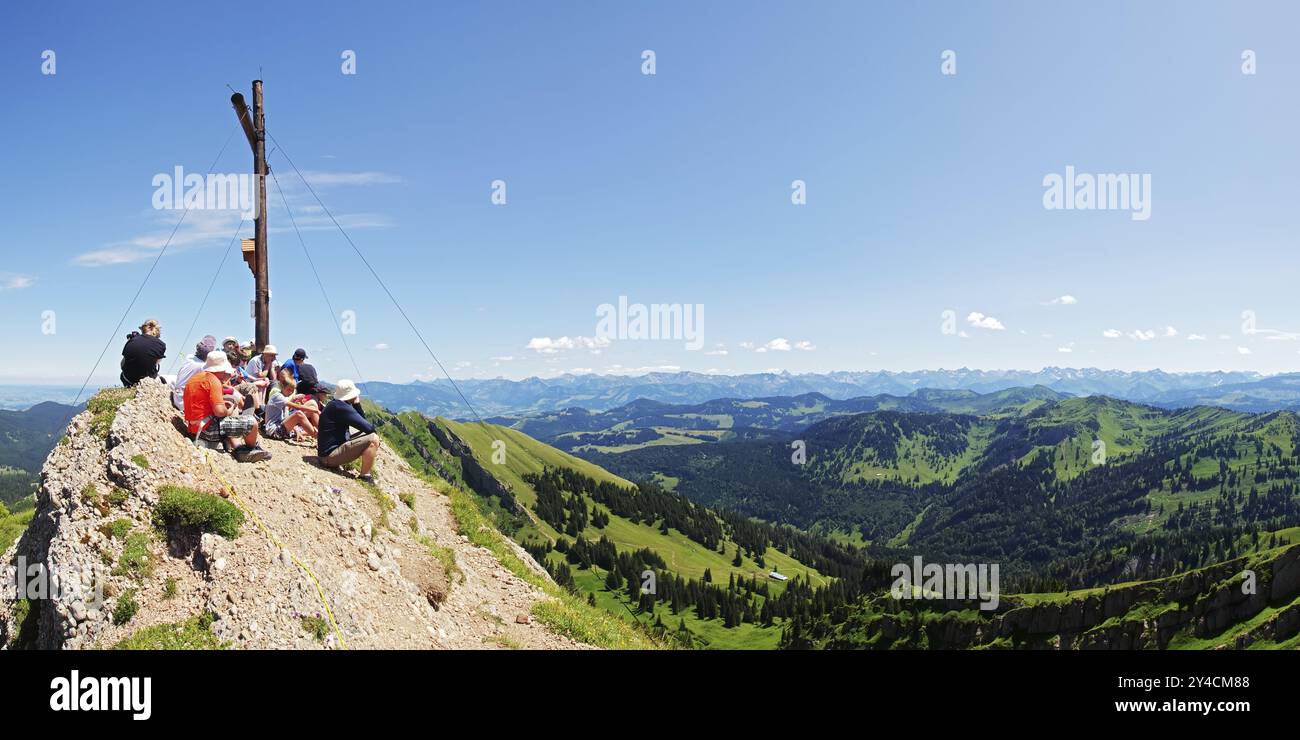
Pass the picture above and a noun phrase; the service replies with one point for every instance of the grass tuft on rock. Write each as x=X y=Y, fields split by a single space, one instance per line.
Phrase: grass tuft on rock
x=118 y=529
x=126 y=608
x=385 y=505
x=194 y=633
x=136 y=559
x=190 y=509
x=103 y=408
x=317 y=627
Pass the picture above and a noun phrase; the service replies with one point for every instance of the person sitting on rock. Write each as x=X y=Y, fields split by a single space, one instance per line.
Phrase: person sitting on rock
x=213 y=419
x=286 y=414
x=299 y=355
x=334 y=446
x=264 y=370
x=242 y=383
x=192 y=366
x=142 y=353
x=309 y=384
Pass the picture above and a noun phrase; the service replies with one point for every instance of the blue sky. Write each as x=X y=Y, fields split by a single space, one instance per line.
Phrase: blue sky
x=924 y=190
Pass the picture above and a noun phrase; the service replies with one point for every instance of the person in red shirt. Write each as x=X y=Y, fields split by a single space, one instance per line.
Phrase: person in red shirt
x=212 y=418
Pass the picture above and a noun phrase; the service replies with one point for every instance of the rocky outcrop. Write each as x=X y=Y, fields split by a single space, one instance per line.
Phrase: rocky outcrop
x=473 y=472
x=387 y=562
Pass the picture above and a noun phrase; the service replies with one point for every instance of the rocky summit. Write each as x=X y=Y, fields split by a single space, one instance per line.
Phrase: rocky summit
x=123 y=550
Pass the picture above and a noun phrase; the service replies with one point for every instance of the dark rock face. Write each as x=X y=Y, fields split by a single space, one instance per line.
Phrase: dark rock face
x=474 y=474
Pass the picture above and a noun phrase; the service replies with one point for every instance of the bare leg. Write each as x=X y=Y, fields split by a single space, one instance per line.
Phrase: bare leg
x=312 y=413
x=299 y=420
x=368 y=457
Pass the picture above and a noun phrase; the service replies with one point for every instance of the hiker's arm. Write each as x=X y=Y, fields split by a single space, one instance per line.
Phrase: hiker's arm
x=219 y=407
x=355 y=420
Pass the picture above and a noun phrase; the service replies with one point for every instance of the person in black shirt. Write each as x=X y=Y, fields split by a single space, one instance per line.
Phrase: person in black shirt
x=142 y=353
x=309 y=384
x=334 y=447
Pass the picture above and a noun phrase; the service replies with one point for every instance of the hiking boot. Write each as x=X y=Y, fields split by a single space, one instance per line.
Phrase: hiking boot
x=251 y=454
x=367 y=478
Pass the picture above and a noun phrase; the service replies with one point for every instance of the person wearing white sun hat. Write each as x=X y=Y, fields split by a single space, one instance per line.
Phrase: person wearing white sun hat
x=264 y=370
x=213 y=419
x=334 y=445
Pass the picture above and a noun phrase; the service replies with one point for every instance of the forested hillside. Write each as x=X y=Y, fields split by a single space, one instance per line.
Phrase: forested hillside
x=688 y=574
x=1072 y=493
x=26 y=437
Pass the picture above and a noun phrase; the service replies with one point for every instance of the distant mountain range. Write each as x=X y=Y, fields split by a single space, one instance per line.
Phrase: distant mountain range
x=1241 y=391
x=17 y=396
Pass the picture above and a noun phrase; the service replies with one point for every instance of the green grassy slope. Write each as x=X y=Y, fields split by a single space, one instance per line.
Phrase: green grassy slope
x=685 y=557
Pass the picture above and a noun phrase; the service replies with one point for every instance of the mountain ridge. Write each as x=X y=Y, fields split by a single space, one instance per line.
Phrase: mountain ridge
x=500 y=396
x=298 y=556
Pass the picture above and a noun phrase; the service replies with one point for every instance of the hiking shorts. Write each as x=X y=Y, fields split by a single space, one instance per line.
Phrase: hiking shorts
x=277 y=431
x=348 y=451
x=228 y=426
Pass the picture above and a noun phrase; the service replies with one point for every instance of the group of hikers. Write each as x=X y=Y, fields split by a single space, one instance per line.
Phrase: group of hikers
x=228 y=395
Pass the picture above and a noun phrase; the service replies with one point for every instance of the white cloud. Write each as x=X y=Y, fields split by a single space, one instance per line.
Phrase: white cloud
x=1243 y=350
x=746 y=345
x=1065 y=349
x=805 y=345
x=202 y=227
x=963 y=334
x=13 y=281
x=1171 y=331
x=1065 y=300
x=382 y=346
x=1141 y=335
x=980 y=321
x=199 y=228
x=548 y=346
x=1112 y=334
x=716 y=352
x=780 y=344
x=1274 y=334
x=1195 y=338
x=504 y=358
x=326 y=179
